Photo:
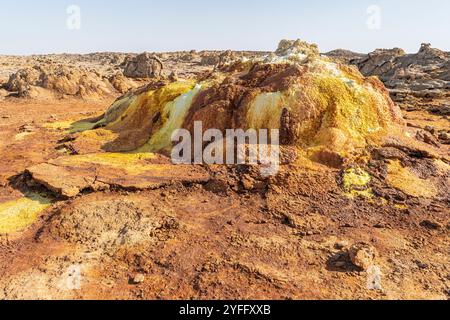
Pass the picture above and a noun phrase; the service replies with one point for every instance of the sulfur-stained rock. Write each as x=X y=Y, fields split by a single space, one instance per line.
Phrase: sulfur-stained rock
x=66 y=182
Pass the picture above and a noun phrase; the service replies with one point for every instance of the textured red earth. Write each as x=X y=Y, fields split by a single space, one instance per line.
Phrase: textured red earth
x=233 y=237
x=140 y=227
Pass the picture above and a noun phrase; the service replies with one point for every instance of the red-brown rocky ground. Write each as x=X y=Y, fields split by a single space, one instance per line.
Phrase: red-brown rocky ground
x=144 y=229
x=233 y=237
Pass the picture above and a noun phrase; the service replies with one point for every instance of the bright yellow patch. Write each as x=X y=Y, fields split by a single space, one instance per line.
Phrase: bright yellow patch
x=265 y=111
x=153 y=100
x=70 y=126
x=58 y=125
x=173 y=114
x=353 y=112
x=408 y=182
x=19 y=214
x=132 y=163
x=355 y=181
x=101 y=135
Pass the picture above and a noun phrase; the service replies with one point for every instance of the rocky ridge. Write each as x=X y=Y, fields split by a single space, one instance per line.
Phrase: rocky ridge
x=418 y=81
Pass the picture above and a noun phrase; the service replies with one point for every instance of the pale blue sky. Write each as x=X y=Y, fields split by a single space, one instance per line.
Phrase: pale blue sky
x=39 y=26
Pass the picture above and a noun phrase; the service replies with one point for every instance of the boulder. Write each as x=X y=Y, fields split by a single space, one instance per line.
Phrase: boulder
x=121 y=83
x=210 y=58
x=145 y=65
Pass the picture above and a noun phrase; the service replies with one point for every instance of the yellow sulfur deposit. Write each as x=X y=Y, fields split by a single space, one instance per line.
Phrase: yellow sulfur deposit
x=331 y=110
x=355 y=183
x=98 y=135
x=265 y=111
x=58 y=125
x=408 y=182
x=70 y=126
x=334 y=111
x=173 y=115
x=133 y=163
x=118 y=108
x=80 y=126
x=17 y=215
x=352 y=114
x=126 y=111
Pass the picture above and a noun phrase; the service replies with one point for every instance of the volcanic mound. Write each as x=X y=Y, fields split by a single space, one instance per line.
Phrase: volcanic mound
x=320 y=106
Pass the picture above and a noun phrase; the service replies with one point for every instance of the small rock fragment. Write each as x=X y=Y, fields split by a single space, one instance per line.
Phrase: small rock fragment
x=430 y=225
x=248 y=182
x=341 y=244
x=430 y=129
x=362 y=255
x=444 y=136
x=138 y=278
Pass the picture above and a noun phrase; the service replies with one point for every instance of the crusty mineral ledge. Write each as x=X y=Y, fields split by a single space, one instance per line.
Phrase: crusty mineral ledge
x=69 y=176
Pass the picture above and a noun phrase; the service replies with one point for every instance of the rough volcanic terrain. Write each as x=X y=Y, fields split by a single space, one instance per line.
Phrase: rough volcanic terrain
x=92 y=207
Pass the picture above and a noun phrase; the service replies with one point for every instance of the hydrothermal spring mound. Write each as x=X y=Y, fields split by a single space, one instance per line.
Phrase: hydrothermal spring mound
x=320 y=106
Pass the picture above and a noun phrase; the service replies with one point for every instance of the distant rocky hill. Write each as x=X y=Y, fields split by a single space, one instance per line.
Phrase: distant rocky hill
x=420 y=80
x=425 y=74
x=344 y=55
x=97 y=75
